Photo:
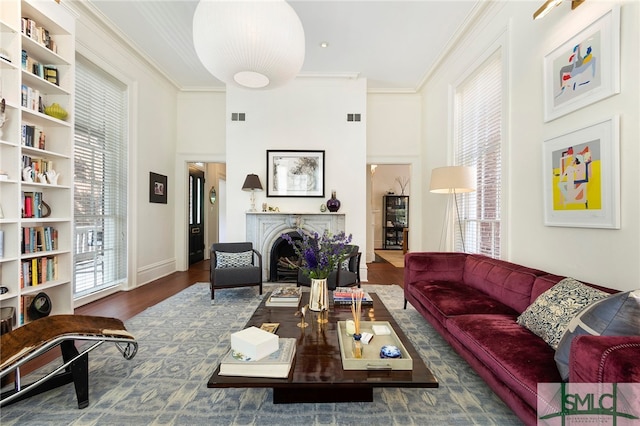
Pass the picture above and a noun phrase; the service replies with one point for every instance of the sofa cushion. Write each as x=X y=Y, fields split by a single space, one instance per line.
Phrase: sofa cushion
x=507 y=282
x=551 y=312
x=616 y=315
x=517 y=357
x=453 y=298
x=234 y=260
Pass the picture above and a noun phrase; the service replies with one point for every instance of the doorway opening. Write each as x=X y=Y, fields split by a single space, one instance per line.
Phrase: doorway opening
x=386 y=180
x=206 y=186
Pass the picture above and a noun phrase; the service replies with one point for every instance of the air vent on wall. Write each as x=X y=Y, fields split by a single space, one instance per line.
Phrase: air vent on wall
x=353 y=117
x=237 y=116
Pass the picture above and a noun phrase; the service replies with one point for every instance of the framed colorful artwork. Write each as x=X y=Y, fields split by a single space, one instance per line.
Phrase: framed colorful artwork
x=581 y=172
x=293 y=173
x=584 y=69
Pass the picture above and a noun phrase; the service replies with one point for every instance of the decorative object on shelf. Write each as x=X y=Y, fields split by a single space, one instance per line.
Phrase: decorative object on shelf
x=45 y=209
x=27 y=176
x=157 y=188
x=252 y=183
x=323 y=207
x=56 y=111
x=3 y=115
x=53 y=176
x=294 y=173
x=264 y=207
x=403 y=181
x=212 y=195
x=268 y=56
x=333 y=204
x=452 y=180
x=40 y=306
x=42 y=178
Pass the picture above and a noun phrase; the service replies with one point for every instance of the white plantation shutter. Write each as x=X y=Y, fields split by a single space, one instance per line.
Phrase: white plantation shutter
x=478 y=143
x=100 y=182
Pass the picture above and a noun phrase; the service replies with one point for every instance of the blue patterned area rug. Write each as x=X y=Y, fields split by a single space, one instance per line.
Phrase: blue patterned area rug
x=181 y=341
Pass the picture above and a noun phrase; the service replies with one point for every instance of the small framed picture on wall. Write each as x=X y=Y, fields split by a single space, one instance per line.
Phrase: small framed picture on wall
x=157 y=188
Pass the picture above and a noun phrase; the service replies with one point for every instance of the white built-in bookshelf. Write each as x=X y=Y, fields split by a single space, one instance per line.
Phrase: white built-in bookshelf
x=36 y=220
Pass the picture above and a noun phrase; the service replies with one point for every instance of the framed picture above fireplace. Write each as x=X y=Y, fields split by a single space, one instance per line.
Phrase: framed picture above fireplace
x=293 y=173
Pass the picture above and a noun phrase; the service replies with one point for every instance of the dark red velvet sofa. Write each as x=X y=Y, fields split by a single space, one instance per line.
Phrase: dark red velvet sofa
x=473 y=301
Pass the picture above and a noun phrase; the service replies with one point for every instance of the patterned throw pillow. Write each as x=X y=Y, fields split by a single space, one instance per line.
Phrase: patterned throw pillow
x=549 y=315
x=616 y=315
x=233 y=260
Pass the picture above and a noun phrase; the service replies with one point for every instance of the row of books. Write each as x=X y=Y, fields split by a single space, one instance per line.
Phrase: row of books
x=47 y=72
x=38 y=271
x=346 y=295
x=289 y=296
x=32 y=205
x=38 y=165
x=31 y=99
x=38 y=238
x=33 y=136
x=37 y=33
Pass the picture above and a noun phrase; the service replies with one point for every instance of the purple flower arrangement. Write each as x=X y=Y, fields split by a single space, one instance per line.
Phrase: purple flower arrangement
x=319 y=255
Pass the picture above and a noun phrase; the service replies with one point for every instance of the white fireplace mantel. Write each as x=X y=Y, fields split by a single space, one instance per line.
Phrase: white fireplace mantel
x=264 y=228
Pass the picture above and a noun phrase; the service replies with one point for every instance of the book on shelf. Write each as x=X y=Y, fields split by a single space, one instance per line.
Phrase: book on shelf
x=276 y=365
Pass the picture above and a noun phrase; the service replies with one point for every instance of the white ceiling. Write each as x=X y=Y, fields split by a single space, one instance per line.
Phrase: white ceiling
x=393 y=44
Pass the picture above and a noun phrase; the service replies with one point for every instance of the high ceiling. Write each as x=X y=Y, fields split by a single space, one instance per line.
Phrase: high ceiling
x=393 y=44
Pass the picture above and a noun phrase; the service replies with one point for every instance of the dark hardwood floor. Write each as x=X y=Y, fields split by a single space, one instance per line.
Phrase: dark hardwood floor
x=126 y=304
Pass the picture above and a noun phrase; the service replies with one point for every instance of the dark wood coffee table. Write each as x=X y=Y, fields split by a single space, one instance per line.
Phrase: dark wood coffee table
x=317 y=374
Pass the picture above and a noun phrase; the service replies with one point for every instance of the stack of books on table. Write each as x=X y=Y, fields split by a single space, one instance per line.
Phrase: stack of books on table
x=344 y=296
x=285 y=296
x=276 y=365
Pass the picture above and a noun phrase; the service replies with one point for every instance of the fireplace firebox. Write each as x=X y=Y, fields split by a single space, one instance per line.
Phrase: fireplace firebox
x=282 y=254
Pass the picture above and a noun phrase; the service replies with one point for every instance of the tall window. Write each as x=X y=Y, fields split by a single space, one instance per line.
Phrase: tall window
x=100 y=197
x=478 y=121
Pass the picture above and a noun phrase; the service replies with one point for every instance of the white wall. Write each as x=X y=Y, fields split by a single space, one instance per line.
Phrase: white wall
x=394 y=129
x=607 y=257
x=306 y=114
x=201 y=137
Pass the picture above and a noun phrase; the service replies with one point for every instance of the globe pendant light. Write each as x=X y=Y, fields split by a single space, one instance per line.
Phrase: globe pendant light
x=252 y=44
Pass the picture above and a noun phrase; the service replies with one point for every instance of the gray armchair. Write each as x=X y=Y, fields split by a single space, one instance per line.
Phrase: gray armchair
x=235 y=265
x=340 y=277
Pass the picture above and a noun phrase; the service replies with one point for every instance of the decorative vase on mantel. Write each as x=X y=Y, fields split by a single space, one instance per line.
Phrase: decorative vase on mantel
x=319 y=295
x=333 y=204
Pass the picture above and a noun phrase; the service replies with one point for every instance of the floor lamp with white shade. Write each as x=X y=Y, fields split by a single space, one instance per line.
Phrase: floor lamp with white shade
x=452 y=180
